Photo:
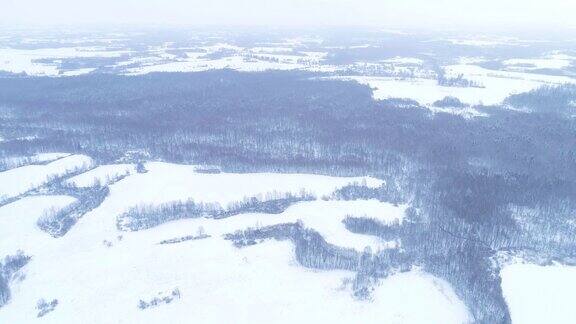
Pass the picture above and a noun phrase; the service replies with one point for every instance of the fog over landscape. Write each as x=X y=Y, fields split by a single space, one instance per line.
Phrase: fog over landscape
x=260 y=161
x=451 y=14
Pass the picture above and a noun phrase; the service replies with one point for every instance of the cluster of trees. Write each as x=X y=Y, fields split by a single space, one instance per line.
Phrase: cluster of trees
x=458 y=81
x=148 y=216
x=43 y=307
x=8 y=268
x=161 y=299
x=311 y=249
x=547 y=99
x=451 y=102
x=58 y=222
x=314 y=252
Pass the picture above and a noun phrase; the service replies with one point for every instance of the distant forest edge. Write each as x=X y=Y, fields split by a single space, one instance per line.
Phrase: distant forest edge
x=278 y=120
x=480 y=188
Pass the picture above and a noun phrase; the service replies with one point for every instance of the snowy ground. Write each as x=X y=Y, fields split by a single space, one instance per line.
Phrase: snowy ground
x=18 y=229
x=495 y=85
x=17 y=181
x=540 y=294
x=553 y=61
x=104 y=174
x=29 y=61
x=14 y=162
x=247 y=60
x=99 y=274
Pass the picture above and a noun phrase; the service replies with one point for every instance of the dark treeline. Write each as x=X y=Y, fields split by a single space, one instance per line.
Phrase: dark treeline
x=552 y=100
x=145 y=217
x=478 y=187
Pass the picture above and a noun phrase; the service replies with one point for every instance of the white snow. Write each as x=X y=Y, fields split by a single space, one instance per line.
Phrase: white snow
x=17 y=181
x=324 y=217
x=486 y=76
x=238 y=63
x=424 y=91
x=103 y=174
x=18 y=230
x=540 y=294
x=476 y=42
x=219 y=284
x=16 y=161
x=47 y=157
x=240 y=59
x=196 y=65
x=416 y=297
x=271 y=49
x=471 y=60
x=25 y=60
x=555 y=61
x=99 y=274
x=497 y=85
x=78 y=72
x=404 y=60
x=487 y=41
x=165 y=182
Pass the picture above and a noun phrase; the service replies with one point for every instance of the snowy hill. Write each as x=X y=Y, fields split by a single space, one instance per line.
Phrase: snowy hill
x=99 y=273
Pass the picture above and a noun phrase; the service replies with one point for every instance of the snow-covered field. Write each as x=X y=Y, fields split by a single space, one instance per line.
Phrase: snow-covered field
x=246 y=60
x=540 y=294
x=29 y=61
x=17 y=181
x=18 y=229
x=495 y=85
x=99 y=274
x=103 y=175
x=14 y=162
x=165 y=182
x=553 y=61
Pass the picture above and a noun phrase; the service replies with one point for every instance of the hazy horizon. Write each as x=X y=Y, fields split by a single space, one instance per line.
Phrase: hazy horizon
x=489 y=15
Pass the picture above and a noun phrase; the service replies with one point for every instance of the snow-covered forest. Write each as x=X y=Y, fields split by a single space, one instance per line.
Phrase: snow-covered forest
x=286 y=177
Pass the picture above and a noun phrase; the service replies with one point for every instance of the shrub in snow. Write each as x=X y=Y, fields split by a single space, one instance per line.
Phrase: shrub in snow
x=449 y=102
x=140 y=167
x=161 y=298
x=44 y=307
x=200 y=235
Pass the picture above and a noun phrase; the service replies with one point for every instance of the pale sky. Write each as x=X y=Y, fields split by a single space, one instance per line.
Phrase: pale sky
x=386 y=13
